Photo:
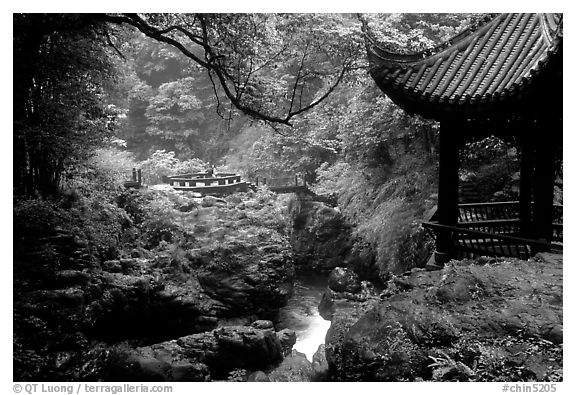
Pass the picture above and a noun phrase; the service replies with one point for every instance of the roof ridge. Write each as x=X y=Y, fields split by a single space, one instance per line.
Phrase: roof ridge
x=430 y=53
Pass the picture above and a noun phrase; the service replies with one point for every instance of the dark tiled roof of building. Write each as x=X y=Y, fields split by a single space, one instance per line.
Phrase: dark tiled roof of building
x=492 y=64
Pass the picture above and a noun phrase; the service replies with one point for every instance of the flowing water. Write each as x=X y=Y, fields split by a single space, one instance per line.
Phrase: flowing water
x=301 y=313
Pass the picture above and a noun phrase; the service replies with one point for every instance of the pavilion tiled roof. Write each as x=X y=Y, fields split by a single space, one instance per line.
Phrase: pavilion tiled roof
x=495 y=63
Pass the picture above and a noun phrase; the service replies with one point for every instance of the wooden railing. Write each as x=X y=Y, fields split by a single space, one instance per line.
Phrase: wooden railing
x=202 y=180
x=468 y=242
x=472 y=212
x=295 y=180
x=494 y=229
x=293 y=184
x=502 y=218
x=134 y=179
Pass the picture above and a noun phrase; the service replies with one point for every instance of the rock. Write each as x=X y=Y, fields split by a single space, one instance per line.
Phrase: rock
x=67 y=278
x=248 y=279
x=228 y=348
x=458 y=323
x=262 y=324
x=295 y=367
x=326 y=305
x=391 y=331
x=344 y=280
x=128 y=264
x=320 y=237
x=66 y=298
x=186 y=371
x=112 y=266
x=188 y=206
x=554 y=333
x=139 y=368
x=320 y=364
x=231 y=271
x=287 y=338
x=211 y=201
x=199 y=357
x=258 y=376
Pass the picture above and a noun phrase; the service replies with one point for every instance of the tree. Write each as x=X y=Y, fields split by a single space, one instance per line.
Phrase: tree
x=271 y=67
x=61 y=71
x=168 y=104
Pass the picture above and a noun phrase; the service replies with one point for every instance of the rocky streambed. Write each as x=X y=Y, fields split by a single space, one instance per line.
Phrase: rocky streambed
x=207 y=289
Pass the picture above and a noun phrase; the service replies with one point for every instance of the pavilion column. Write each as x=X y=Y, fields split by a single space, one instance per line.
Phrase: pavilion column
x=526 y=182
x=544 y=188
x=447 y=188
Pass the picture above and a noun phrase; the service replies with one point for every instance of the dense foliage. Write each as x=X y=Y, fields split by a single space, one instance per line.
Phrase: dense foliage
x=307 y=71
x=60 y=82
x=355 y=145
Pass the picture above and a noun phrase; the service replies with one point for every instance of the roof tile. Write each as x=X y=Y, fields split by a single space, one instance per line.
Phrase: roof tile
x=496 y=61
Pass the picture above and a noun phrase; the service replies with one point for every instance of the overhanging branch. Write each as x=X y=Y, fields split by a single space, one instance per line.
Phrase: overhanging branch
x=215 y=65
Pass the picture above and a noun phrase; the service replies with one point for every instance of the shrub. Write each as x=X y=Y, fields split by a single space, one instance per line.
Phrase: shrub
x=36 y=218
x=162 y=164
x=387 y=206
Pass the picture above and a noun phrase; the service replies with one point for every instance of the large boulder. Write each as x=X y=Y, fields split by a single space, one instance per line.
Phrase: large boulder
x=248 y=278
x=201 y=356
x=287 y=338
x=320 y=364
x=320 y=237
x=344 y=302
x=295 y=367
x=494 y=322
x=344 y=280
x=147 y=306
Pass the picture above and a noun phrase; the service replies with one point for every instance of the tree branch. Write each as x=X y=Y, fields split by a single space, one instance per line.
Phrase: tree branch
x=215 y=64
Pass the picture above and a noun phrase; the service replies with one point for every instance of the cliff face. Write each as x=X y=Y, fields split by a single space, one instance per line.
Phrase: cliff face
x=472 y=321
x=322 y=240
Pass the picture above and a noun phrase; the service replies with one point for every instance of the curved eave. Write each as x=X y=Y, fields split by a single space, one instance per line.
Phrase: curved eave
x=524 y=97
x=379 y=55
x=391 y=72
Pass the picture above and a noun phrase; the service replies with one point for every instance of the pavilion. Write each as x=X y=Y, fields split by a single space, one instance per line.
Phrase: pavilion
x=502 y=78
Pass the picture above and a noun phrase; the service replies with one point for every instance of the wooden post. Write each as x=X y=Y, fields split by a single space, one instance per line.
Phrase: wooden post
x=256 y=180
x=447 y=188
x=296 y=180
x=526 y=182
x=134 y=174
x=140 y=176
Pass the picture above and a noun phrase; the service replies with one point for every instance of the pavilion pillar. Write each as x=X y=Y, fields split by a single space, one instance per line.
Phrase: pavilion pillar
x=447 y=188
x=544 y=190
x=526 y=182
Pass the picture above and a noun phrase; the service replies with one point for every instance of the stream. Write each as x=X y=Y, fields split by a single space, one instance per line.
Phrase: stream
x=301 y=313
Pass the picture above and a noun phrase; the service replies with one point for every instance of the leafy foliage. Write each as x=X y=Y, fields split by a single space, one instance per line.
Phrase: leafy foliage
x=169 y=105
x=161 y=164
x=492 y=166
x=271 y=67
x=59 y=86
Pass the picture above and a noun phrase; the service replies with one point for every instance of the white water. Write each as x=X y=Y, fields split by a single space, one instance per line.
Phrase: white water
x=301 y=314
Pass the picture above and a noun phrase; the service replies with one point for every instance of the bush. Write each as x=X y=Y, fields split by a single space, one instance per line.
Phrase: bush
x=35 y=218
x=162 y=164
x=387 y=207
